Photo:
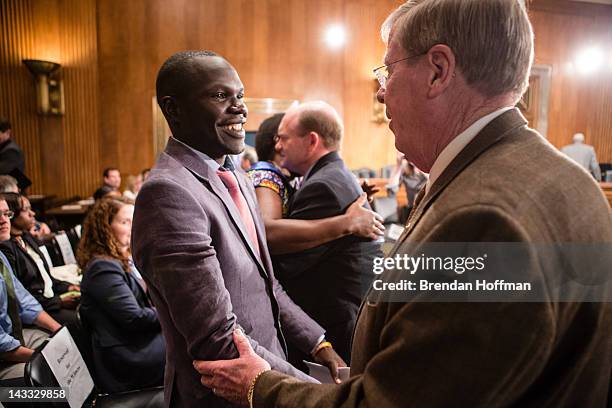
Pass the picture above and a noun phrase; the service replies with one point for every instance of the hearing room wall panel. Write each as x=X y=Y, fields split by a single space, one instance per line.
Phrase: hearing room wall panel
x=276 y=46
x=579 y=102
x=17 y=98
x=62 y=154
x=111 y=50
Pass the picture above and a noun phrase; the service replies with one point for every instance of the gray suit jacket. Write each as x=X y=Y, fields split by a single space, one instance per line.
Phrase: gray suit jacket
x=507 y=185
x=205 y=277
x=584 y=155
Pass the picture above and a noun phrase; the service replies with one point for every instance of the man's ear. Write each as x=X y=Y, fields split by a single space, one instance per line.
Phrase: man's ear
x=170 y=108
x=314 y=140
x=441 y=62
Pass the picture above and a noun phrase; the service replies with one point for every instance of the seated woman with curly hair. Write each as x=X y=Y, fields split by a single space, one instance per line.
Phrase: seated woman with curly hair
x=128 y=347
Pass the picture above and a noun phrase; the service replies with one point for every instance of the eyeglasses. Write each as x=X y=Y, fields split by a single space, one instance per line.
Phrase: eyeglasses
x=382 y=73
x=8 y=214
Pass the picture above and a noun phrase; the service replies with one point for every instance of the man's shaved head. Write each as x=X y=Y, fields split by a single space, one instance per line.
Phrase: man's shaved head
x=175 y=75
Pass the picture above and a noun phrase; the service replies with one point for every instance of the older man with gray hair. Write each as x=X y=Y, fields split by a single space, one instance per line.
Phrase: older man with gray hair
x=454 y=70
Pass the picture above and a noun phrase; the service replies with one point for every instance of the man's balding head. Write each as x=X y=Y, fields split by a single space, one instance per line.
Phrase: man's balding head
x=578 y=138
x=306 y=133
x=321 y=118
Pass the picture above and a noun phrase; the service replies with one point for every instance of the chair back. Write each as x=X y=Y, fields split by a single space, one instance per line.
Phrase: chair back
x=75 y=379
x=38 y=373
x=54 y=253
x=63 y=243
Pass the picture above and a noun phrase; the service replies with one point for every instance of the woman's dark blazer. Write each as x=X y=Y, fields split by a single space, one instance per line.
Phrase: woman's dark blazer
x=128 y=347
x=27 y=272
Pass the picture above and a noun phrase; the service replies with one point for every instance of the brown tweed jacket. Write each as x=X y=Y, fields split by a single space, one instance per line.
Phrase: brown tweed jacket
x=508 y=184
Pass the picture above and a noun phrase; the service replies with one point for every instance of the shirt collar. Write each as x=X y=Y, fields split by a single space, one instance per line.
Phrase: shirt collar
x=210 y=162
x=458 y=143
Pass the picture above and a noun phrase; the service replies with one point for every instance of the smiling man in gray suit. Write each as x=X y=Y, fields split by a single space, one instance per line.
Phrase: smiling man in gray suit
x=200 y=242
x=454 y=70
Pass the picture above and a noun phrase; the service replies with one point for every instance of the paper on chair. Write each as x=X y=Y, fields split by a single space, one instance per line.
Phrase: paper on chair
x=321 y=373
x=65 y=248
x=68 y=367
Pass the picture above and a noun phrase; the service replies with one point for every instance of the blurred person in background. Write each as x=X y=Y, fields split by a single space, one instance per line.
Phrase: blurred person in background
x=39 y=230
x=58 y=298
x=111 y=177
x=133 y=186
x=17 y=308
x=106 y=192
x=248 y=158
x=145 y=174
x=583 y=154
x=409 y=176
x=11 y=155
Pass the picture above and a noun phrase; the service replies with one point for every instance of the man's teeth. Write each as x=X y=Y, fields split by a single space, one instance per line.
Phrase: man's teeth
x=237 y=127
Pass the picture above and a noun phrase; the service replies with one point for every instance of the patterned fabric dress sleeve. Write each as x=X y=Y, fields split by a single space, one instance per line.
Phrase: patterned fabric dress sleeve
x=271 y=180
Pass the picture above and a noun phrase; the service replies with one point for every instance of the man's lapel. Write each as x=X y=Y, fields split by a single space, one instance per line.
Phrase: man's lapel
x=203 y=172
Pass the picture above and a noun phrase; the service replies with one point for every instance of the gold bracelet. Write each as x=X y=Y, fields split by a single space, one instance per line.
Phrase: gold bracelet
x=325 y=344
x=252 y=387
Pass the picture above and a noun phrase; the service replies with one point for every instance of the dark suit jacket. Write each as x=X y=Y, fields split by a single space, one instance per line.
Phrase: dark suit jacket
x=206 y=278
x=328 y=281
x=11 y=157
x=27 y=272
x=128 y=347
x=508 y=184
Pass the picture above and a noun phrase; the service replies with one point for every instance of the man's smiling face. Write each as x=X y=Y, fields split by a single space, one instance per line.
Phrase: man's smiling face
x=212 y=110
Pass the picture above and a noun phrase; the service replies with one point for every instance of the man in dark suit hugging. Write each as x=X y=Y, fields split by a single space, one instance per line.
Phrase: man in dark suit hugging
x=309 y=137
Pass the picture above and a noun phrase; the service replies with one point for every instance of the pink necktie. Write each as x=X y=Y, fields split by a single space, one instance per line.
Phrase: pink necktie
x=228 y=178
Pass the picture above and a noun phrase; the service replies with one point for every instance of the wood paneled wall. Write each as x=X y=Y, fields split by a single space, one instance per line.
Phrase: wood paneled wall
x=276 y=46
x=578 y=102
x=62 y=152
x=111 y=50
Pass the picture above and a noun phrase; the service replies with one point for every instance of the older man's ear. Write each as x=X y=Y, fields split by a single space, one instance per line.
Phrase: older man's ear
x=441 y=62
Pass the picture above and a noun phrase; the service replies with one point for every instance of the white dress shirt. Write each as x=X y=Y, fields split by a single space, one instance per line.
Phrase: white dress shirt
x=458 y=144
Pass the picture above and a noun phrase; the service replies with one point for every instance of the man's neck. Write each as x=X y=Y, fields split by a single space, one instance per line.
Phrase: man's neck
x=220 y=160
x=465 y=116
x=314 y=160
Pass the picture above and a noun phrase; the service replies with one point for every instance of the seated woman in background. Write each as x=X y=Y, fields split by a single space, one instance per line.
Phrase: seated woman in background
x=273 y=188
x=128 y=347
x=133 y=186
x=58 y=298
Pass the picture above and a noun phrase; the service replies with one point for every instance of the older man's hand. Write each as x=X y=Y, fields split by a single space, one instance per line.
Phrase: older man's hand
x=329 y=358
x=231 y=379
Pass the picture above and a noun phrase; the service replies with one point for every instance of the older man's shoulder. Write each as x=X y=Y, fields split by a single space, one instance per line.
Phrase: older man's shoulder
x=527 y=178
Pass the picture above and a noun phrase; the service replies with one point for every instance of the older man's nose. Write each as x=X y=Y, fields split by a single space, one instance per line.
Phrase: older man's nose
x=380 y=95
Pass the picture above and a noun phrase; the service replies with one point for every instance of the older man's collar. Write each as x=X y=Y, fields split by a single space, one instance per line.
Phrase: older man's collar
x=458 y=143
